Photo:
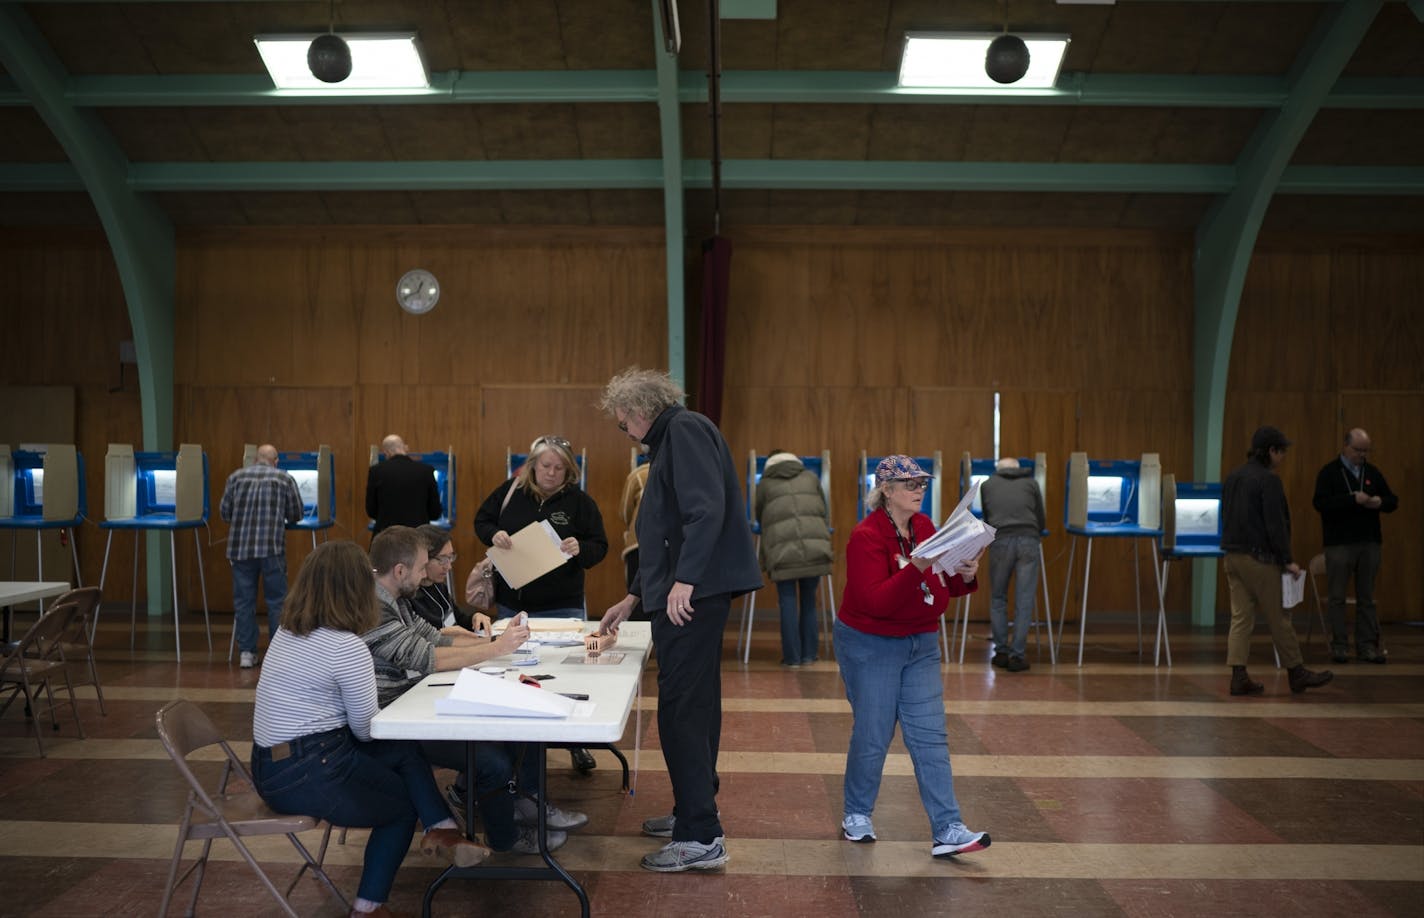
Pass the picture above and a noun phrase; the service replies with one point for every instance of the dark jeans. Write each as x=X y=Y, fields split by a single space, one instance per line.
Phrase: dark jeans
x=690 y=713
x=385 y=785
x=494 y=775
x=1360 y=560
x=800 y=635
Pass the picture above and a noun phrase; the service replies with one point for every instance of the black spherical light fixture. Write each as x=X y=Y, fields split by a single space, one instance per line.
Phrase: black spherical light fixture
x=1007 y=59
x=329 y=58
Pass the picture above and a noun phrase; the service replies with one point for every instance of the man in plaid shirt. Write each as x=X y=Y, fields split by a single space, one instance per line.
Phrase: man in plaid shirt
x=258 y=502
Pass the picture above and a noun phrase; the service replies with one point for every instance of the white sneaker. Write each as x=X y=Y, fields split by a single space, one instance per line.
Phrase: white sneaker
x=247 y=660
x=526 y=813
x=857 y=828
x=958 y=839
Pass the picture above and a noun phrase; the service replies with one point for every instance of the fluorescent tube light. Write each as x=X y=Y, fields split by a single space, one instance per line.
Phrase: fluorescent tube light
x=955 y=60
x=389 y=61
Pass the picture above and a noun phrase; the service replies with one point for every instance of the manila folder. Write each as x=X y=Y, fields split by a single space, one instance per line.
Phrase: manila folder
x=535 y=552
x=476 y=693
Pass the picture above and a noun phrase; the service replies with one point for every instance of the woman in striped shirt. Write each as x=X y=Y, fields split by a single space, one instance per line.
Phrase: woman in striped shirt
x=312 y=751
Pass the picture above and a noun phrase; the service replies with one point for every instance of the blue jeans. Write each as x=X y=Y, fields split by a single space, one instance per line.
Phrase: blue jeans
x=384 y=785
x=273 y=571
x=494 y=775
x=889 y=680
x=1013 y=556
x=577 y=612
x=799 y=633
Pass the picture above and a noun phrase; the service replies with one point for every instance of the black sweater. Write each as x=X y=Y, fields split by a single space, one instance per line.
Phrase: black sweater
x=1255 y=515
x=1342 y=521
x=572 y=513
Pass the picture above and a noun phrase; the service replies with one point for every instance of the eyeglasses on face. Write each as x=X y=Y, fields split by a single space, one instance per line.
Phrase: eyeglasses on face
x=915 y=484
x=446 y=560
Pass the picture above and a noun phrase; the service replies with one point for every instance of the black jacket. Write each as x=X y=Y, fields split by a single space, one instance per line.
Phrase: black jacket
x=401 y=492
x=572 y=513
x=1255 y=515
x=692 y=523
x=1342 y=521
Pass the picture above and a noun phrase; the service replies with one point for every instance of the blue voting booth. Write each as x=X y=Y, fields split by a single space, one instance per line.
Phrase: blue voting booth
x=820 y=466
x=315 y=475
x=162 y=491
x=930 y=505
x=1114 y=499
x=976 y=471
x=1191 y=527
x=444 y=466
x=42 y=488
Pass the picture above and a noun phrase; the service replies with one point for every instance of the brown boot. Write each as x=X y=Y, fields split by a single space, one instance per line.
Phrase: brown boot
x=454 y=847
x=1302 y=678
x=1241 y=683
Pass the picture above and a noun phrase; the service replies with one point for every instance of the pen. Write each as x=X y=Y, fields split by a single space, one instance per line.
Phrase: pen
x=438 y=684
x=576 y=696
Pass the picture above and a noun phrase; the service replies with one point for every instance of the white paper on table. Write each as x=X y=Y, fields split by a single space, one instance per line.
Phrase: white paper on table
x=534 y=552
x=475 y=693
x=1292 y=589
x=963 y=537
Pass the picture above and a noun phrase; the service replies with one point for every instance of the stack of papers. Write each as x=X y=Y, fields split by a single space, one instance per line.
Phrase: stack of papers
x=961 y=538
x=1292 y=589
x=477 y=694
x=553 y=639
x=533 y=553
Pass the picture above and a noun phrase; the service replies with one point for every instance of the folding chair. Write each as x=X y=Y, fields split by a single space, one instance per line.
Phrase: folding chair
x=184 y=728
x=35 y=661
x=78 y=641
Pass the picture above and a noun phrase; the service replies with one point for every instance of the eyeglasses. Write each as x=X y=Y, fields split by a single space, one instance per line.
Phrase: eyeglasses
x=915 y=484
x=446 y=560
x=553 y=440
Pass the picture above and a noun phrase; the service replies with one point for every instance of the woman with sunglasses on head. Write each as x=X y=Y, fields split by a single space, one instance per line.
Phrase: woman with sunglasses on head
x=546 y=488
x=887 y=647
x=432 y=600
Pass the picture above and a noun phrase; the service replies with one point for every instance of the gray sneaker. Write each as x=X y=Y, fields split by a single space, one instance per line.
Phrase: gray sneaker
x=528 y=840
x=526 y=813
x=659 y=826
x=958 y=839
x=687 y=855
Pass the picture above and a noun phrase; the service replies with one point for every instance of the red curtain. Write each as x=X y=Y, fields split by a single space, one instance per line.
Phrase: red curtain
x=716 y=274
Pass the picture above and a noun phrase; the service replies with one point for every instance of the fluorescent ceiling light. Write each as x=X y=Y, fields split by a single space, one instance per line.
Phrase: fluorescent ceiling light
x=955 y=60
x=389 y=61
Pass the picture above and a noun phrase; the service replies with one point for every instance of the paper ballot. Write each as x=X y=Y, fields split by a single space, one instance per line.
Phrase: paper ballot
x=1292 y=589
x=961 y=538
x=493 y=696
x=535 y=552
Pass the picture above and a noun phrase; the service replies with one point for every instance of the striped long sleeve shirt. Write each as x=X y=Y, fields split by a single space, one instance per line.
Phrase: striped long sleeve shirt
x=313 y=683
x=402 y=647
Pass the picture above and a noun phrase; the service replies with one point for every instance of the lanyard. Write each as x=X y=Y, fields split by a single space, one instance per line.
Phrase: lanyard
x=906 y=550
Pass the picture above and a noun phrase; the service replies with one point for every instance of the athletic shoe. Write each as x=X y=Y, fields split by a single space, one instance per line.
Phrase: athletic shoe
x=528 y=840
x=247 y=660
x=1000 y=658
x=857 y=828
x=677 y=856
x=957 y=839
x=526 y=813
x=659 y=826
x=1016 y=664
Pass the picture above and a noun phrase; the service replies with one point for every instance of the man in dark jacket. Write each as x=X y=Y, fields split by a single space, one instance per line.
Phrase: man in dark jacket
x=401 y=491
x=1350 y=495
x=695 y=556
x=1256 y=536
x=1013 y=505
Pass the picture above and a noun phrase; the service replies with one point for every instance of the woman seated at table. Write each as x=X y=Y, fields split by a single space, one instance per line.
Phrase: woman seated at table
x=432 y=600
x=312 y=752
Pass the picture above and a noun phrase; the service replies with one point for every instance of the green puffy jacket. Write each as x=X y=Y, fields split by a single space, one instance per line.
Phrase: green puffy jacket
x=795 y=531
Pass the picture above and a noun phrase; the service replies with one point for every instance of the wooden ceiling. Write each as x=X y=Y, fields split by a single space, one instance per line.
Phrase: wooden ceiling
x=1193 y=57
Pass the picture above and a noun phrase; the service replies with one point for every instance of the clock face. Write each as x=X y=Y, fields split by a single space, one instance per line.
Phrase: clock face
x=418 y=291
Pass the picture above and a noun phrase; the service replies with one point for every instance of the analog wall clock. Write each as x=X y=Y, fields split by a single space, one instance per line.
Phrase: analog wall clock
x=418 y=291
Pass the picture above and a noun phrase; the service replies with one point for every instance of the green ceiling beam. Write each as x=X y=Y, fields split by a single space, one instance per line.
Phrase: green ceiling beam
x=828 y=175
x=745 y=86
x=674 y=220
x=1227 y=236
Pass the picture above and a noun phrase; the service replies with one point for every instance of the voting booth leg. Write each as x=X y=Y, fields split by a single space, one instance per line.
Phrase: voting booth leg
x=1137 y=593
x=828 y=617
x=133 y=601
x=203 y=585
x=74 y=557
x=744 y=630
x=1047 y=609
x=964 y=629
x=1163 y=639
x=1067 y=582
x=1083 y=610
x=173 y=568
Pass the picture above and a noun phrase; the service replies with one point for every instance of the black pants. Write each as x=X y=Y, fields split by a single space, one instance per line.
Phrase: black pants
x=690 y=713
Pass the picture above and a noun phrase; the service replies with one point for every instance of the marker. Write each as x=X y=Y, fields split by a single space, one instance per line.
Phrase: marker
x=576 y=696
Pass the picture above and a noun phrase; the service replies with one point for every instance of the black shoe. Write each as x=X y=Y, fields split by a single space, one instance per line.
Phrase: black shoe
x=1016 y=664
x=583 y=760
x=1339 y=655
x=1241 y=683
x=1302 y=679
x=1371 y=655
x=1001 y=658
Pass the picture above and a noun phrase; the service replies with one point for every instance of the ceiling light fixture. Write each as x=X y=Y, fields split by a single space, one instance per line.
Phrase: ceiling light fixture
x=380 y=62
x=955 y=61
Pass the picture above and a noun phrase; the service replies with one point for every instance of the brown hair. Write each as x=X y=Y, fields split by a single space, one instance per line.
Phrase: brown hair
x=395 y=545
x=435 y=538
x=333 y=589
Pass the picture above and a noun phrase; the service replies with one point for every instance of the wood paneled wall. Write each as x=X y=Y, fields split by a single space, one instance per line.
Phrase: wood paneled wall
x=843 y=338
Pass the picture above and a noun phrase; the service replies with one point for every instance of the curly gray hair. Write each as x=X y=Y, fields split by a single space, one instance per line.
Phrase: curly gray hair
x=642 y=392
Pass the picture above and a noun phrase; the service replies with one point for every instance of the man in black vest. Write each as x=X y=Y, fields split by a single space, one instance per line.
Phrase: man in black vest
x=1350 y=495
x=401 y=491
